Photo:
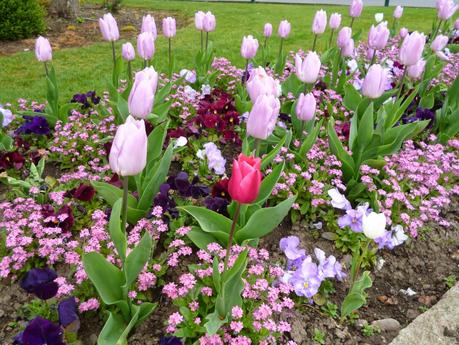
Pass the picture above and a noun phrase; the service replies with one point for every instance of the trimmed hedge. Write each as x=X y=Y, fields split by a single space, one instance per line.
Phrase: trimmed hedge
x=20 y=19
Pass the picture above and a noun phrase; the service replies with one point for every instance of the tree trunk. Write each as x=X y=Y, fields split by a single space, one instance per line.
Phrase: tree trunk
x=66 y=8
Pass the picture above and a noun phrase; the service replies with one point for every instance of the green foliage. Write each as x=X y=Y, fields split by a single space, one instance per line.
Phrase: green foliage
x=447 y=117
x=356 y=297
x=369 y=330
x=20 y=19
x=450 y=281
x=331 y=309
x=319 y=336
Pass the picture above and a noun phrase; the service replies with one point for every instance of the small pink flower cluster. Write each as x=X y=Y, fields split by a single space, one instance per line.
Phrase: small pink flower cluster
x=228 y=75
x=255 y=322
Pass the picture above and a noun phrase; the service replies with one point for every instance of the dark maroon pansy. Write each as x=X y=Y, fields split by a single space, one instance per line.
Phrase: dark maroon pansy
x=84 y=192
x=67 y=224
x=220 y=189
x=40 y=281
x=116 y=181
x=11 y=160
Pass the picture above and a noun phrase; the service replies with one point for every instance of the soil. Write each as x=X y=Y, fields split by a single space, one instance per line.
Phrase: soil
x=66 y=33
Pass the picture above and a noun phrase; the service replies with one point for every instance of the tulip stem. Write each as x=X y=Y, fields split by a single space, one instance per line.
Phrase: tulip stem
x=280 y=49
x=125 y=203
x=373 y=59
x=207 y=40
x=202 y=40
x=314 y=43
x=401 y=83
x=231 y=235
x=170 y=58
x=301 y=130
x=144 y=64
x=245 y=76
x=257 y=147
x=352 y=22
x=46 y=69
x=130 y=72
x=114 y=54
x=331 y=38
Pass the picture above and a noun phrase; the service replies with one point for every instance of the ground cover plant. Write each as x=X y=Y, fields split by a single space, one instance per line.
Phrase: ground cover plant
x=232 y=202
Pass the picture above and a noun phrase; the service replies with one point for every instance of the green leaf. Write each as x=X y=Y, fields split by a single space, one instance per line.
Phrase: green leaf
x=263 y=221
x=214 y=322
x=112 y=330
x=310 y=140
x=352 y=97
x=271 y=155
x=200 y=238
x=156 y=142
x=137 y=259
x=117 y=234
x=357 y=296
x=338 y=150
x=365 y=128
x=427 y=101
x=268 y=184
x=216 y=276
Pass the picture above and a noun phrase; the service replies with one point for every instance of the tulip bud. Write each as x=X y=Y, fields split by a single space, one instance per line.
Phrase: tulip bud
x=260 y=83
x=306 y=107
x=335 y=21
x=348 y=50
x=439 y=43
x=146 y=45
x=374 y=225
x=319 y=23
x=378 y=36
x=307 y=70
x=344 y=35
x=249 y=47
x=209 y=22
x=148 y=24
x=109 y=28
x=245 y=181
x=355 y=10
x=446 y=9
x=284 y=29
x=199 y=20
x=412 y=48
x=169 y=29
x=370 y=53
x=128 y=155
x=43 y=50
x=142 y=95
x=415 y=71
x=379 y=17
x=128 y=52
x=263 y=117
x=398 y=12
x=375 y=82
x=267 y=30
x=403 y=32
x=442 y=56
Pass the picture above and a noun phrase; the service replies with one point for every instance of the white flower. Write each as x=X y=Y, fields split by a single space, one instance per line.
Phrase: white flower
x=338 y=200
x=8 y=116
x=398 y=236
x=189 y=76
x=353 y=65
x=205 y=89
x=181 y=141
x=190 y=92
x=374 y=225
x=201 y=154
x=379 y=17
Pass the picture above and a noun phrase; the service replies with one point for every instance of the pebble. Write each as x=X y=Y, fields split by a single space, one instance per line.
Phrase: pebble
x=340 y=334
x=360 y=323
x=386 y=325
x=2 y=312
x=412 y=313
x=427 y=300
x=331 y=236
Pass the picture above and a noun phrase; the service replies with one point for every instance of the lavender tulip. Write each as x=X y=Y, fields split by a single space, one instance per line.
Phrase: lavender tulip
x=146 y=45
x=284 y=29
x=307 y=70
x=199 y=20
x=344 y=36
x=398 y=12
x=249 y=47
x=349 y=49
x=209 y=22
x=306 y=107
x=149 y=25
x=267 y=30
x=142 y=95
x=128 y=155
x=355 y=10
x=378 y=36
x=169 y=28
x=263 y=117
x=412 y=48
x=335 y=21
x=109 y=28
x=375 y=82
x=439 y=43
x=415 y=71
x=374 y=225
x=260 y=83
x=403 y=32
x=319 y=23
x=128 y=52
x=43 y=50
x=446 y=9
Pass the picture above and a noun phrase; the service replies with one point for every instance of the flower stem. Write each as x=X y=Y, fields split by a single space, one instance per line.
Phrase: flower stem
x=399 y=94
x=170 y=58
x=280 y=48
x=373 y=59
x=314 y=43
x=125 y=203
x=245 y=77
x=331 y=38
x=46 y=69
x=231 y=235
x=257 y=147
x=359 y=263
x=130 y=72
x=301 y=130
x=114 y=54
x=207 y=40
x=352 y=22
x=202 y=40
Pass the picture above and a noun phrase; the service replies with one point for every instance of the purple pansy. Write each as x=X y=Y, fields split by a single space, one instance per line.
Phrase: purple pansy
x=34 y=125
x=40 y=281
x=306 y=281
x=170 y=341
x=289 y=245
x=68 y=314
x=40 y=331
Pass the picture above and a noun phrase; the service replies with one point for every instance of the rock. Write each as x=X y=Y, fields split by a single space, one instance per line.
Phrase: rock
x=93 y=339
x=455 y=255
x=340 y=334
x=331 y=236
x=360 y=323
x=387 y=300
x=427 y=300
x=2 y=312
x=412 y=313
x=298 y=332
x=386 y=325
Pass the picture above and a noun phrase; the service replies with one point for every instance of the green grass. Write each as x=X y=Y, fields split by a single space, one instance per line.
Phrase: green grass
x=89 y=67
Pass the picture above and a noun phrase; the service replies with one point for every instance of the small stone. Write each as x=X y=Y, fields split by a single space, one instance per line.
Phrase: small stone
x=409 y=292
x=412 y=314
x=295 y=227
x=340 y=334
x=2 y=312
x=387 y=300
x=427 y=300
x=331 y=236
x=93 y=339
x=360 y=323
x=455 y=255
x=386 y=325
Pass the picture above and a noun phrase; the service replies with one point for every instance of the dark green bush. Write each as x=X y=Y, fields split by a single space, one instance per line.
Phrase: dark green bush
x=20 y=19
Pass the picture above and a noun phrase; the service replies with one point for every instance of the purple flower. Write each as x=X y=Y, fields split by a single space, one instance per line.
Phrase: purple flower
x=289 y=245
x=68 y=314
x=164 y=200
x=352 y=219
x=392 y=239
x=34 y=125
x=185 y=188
x=329 y=267
x=170 y=341
x=306 y=281
x=40 y=331
x=40 y=281
x=217 y=204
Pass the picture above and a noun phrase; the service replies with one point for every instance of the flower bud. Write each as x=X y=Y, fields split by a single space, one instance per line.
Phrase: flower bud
x=307 y=70
x=267 y=30
x=199 y=20
x=148 y=24
x=263 y=117
x=335 y=21
x=43 y=50
x=260 y=83
x=355 y=10
x=398 y=12
x=446 y=9
x=169 y=28
x=378 y=36
x=403 y=32
x=109 y=28
x=142 y=95
x=374 y=225
x=412 y=48
x=146 y=45
x=415 y=71
x=306 y=107
x=249 y=47
x=344 y=35
x=209 y=22
x=245 y=181
x=375 y=82
x=379 y=17
x=128 y=52
x=348 y=50
x=284 y=29
x=319 y=23
x=439 y=43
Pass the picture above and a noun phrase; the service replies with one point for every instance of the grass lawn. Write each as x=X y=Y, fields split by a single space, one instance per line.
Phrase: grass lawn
x=89 y=67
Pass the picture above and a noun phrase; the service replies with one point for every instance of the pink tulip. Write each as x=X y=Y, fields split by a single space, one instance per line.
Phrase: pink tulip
x=141 y=98
x=244 y=184
x=169 y=28
x=267 y=30
x=403 y=32
x=415 y=71
x=109 y=28
x=355 y=10
x=149 y=74
x=335 y=21
x=263 y=117
x=146 y=45
x=284 y=29
x=344 y=35
x=398 y=12
x=128 y=154
x=43 y=50
x=412 y=48
x=249 y=47
x=378 y=36
x=307 y=70
x=446 y=9
x=199 y=20
x=148 y=24
x=128 y=52
x=439 y=43
x=209 y=22
x=305 y=107
x=319 y=23
x=348 y=50
x=260 y=83
x=375 y=82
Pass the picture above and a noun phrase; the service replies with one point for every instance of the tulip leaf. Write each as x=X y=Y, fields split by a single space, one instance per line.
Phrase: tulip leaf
x=268 y=183
x=365 y=128
x=112 y=330
x=145 y=309
x=163 y=92
x=310 y=140
x=338 y=150
x=211 y=222
x=156 y=142
x=200 y=238
x=357 y=296
x=216 y=276
x=273 y=153
x=352 y=97
x=137 y=259
x=214 y=322
x=117 y=235
x=264 y=220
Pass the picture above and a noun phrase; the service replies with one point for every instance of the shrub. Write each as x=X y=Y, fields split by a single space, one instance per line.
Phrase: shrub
x=20 y=19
